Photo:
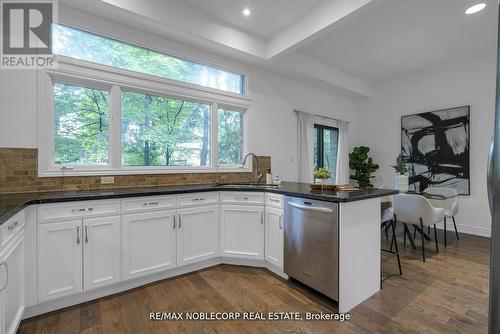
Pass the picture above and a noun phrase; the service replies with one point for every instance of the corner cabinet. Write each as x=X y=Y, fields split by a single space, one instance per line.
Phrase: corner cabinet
x=242 y=231
x=197 y=234
x=149 y=243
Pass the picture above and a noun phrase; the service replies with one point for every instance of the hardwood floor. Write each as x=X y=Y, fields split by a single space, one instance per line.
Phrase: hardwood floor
x=446 y=294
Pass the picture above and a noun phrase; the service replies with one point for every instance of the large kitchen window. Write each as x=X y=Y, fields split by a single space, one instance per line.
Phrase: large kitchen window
x=162 y=131
x=326 y=141
x=98 y=120
x=81 y=125
x=230 y=137
x=83 y=45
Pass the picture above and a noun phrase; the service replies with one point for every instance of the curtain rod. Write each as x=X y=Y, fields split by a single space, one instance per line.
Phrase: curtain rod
x=321 y=116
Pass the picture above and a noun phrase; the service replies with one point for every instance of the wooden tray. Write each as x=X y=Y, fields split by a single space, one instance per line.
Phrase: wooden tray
x=338 y=187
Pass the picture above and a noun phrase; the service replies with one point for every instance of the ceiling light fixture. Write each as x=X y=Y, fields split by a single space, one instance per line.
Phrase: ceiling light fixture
x=246 y=12
x=476 y=8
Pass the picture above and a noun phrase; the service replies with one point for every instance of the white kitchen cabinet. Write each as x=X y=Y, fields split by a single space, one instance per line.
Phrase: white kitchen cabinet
x=12 y=284
x=59 y=259
x=101 y=251
x=148 y=243
x=242 y=231
x=197 y=234
x=274 y=236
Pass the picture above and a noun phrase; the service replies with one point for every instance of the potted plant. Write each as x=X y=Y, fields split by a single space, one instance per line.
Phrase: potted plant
x=401 y=167
x=322 y=174
x=362 y=165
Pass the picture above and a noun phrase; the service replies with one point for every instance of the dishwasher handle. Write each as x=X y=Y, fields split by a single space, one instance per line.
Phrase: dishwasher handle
x=310 y=208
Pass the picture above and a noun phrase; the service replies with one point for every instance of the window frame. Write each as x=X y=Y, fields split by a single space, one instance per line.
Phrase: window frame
x=188 y=56
x=321 y=144
x=87 y=74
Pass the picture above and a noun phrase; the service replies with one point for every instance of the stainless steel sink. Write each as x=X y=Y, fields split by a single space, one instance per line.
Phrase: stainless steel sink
x=247 y=185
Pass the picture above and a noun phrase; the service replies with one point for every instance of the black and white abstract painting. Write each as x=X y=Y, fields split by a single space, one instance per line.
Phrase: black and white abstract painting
x=436 y=145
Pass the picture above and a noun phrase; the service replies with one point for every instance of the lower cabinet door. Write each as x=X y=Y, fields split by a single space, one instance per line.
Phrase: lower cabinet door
x=197 y=234
x=274 y=236
x=12 y=295
x=102 y=251
x=149 y=243
x=242 y=231
x=59 y=259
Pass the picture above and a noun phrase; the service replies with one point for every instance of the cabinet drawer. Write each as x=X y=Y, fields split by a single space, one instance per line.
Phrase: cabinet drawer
x=71 y=210
x=236 y=197
x=274 y=200
x=146 y=204
x=9 y=229
x=197 y=199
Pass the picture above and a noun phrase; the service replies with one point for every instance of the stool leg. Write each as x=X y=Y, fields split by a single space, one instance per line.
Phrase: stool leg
x=423 y=247
x=444 y=231
x=436 y=238
x=456 y=232
x=396 y=246
x=404 y=235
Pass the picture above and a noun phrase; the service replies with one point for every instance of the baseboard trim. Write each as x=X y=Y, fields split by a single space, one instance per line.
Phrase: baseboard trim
x=466 y=229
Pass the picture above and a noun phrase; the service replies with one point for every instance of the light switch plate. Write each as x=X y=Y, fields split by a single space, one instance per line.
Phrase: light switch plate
x=107 y=180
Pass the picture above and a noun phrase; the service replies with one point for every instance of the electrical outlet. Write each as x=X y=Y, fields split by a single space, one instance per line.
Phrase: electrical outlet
x=107 y=180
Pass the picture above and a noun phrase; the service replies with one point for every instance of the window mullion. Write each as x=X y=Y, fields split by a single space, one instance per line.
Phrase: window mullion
x=214 y=140
x=115 y=127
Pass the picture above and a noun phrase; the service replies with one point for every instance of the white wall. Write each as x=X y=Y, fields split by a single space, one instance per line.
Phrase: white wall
x=17 y=108
x=274 y=99
x=466 y=82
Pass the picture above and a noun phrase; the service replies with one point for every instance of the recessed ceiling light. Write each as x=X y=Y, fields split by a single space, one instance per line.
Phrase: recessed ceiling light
x=246 y=12
x=476 y=8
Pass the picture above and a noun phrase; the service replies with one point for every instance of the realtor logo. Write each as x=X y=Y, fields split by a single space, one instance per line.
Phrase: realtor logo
x=27 y=34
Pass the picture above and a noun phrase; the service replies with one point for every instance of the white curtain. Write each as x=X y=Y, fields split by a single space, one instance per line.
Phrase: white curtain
x=343 y=153
x=305 y=146
x=305 y=130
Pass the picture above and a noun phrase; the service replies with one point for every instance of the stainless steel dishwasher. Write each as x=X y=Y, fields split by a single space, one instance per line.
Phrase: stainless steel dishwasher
x=312 y=244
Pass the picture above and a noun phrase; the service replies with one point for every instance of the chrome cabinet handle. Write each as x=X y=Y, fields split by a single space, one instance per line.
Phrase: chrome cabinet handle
x=86 y=233
x=279 y=223
x=262 y=217
x=150 y=203
x=242 y=198
x=274 y=200
x=12 y=226
x=78 y=234
x=173 y=222
x=199 y=199
x=83 y=210
x=179 y=225
x=7 y=275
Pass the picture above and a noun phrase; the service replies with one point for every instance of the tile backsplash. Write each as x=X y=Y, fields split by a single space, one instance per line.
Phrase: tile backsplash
x=18 y=173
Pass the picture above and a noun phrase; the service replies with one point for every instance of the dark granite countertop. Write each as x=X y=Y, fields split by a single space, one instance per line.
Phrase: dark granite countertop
x=10 y=204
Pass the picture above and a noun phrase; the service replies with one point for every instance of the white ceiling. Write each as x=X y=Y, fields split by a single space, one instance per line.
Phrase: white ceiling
x=268 y=17
x=399 y=36
x=338 y=44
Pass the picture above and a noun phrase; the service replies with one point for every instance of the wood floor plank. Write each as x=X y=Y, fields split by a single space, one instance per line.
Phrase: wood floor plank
x=446 y=294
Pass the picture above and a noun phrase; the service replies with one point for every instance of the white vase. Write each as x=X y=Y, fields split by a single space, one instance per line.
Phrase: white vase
x=401 y=183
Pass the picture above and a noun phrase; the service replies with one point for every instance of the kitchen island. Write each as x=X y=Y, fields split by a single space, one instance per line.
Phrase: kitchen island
x=153 y=233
